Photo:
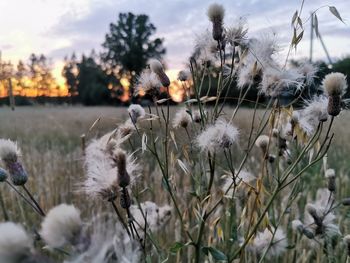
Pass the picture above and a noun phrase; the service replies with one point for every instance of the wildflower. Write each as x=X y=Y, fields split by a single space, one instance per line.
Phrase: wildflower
x=235 y=34
x=101 y=171
x=263 y=239
x=148 y=82
x=330 y=175
x=15 y=244
x=157 y=216
x=335 y=86
x=216 y=14
x=9 y=154
x=61 y=226
x=220 y=135
x=157 y=68
x=182 y=119
x=136 y=112
x=3 y=175
x=184 y=75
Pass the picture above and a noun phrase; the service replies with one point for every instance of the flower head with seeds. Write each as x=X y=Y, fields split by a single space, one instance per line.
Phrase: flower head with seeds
x=184 y=75
x=335 y=84
x=216 y=14
x=148 y=82
x=158 y=69
x=220 y=135
x=262 y=241
x=157 y=216
x=62 y=225
x=182 y=119
x=136 y=112
x=9 y=154
x=101 y=169
x=236 y=33
x=15 y=243
x=309 y=71
x=206 y=49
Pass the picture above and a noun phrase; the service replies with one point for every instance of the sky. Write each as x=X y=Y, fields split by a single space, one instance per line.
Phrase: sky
x=58 y=28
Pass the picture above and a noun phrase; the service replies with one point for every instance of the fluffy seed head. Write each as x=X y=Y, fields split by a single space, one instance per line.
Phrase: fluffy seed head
x=236 y=33
x=158 y=69
x=216 y=14
x=184 y=75
x=9 y=151
x=182 y=119
x=297 y=225
x=220 y=135
x=263 y=142
x=119 y=158
x=334 y=84
x=136 y=112
x=148 y=82
x=15 y=244
x=330 y=173
x=62 y=225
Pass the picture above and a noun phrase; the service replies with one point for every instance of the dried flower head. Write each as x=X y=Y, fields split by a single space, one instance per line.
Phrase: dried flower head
x=308 y=70
x=15 y=244
x=220 y=135
x=157 y=216
x=206 y=49
x=124 y=131
x=149 y=83
x=182 y=118
x=62 y=225
x=334 y=84
x=119 y=157
x=216 y=14
x=136 y=112
x=9 y=154
x=184 y=75
x=157 y=68
x=101 y=170
x=330 y=175
x=263 y=239
x=236 y=33
x=263 y=143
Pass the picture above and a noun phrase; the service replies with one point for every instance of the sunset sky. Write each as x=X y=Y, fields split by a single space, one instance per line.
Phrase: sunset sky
x=58 y=27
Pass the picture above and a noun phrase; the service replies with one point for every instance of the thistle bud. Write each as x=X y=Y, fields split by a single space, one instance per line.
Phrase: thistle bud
x=216 y=14
x=18 y=175
x=334 y=105
x=263 y=142
x=330 y=175
x=311 y=209
x=123 y=176
x=125 y=201
x=346 y=201
x=158 y=69
x=3 y=175
x=308 y=233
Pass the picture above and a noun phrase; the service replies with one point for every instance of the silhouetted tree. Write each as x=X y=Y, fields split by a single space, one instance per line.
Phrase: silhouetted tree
x=128 y=45
x=70 y=72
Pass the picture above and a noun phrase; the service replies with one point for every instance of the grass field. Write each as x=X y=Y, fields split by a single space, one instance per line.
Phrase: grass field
x=50 y=139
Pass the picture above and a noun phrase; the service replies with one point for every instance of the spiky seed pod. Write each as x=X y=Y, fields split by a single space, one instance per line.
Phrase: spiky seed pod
x=216 y=14
x=158 y=69
x=3 y=175
x=334 y=105
x=18 y=175
x=125 y=201
x=123 y=176
x=330 y=175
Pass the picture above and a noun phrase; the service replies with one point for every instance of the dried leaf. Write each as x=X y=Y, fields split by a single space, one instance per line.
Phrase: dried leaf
x=315 y=21
x=172 y=135
x=294 y=18
x=161 y=101
x=144 y=142
x=94 y=124
x=183 y=166
x=335 y=12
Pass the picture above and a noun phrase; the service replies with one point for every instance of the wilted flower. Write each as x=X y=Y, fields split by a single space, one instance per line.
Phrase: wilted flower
x=136 y=112
x=148 y=82
x=263 y=239
x=9 y=154
x=62 y=225
x=15 y=244
x=335 y=86
x=182 y=119
x=330 y=175
x=216 y=14
x=220 y=135
x=124 y=131
x=157 y=216
x=263 y=142
x=157 y=68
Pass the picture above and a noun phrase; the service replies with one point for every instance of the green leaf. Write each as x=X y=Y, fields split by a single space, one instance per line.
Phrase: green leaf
x=216 y=254
x=335 y=12
x=176 y=247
